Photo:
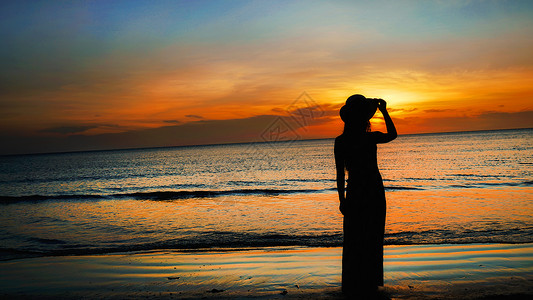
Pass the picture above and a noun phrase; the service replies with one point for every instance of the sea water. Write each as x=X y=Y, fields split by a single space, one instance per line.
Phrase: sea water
x=470 y=187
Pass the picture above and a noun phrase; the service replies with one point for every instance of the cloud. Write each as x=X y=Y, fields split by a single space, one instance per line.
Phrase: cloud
x=439 y=110
x=404 y=110
x=194 y=116
x=262 y=128
x=479 y=121
x=252 y=129
x=70 y=129
x=523 y=119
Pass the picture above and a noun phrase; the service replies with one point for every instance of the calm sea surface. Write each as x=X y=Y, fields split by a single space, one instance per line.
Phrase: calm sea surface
x=471 y=187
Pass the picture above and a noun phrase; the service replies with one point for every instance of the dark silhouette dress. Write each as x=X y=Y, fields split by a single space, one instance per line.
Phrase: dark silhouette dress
x=364 y=212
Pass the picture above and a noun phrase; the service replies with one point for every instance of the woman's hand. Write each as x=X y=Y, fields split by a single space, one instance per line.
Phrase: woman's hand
x=382 y=105
x=391 y=129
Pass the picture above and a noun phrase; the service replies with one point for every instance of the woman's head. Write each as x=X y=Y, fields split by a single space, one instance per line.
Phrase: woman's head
x=357 y=112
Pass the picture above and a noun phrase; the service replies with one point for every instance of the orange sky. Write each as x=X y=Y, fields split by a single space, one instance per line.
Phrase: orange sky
x=97 y=76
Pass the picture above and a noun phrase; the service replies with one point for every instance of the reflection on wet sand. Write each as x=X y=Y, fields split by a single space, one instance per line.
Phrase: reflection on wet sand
x=419 y=271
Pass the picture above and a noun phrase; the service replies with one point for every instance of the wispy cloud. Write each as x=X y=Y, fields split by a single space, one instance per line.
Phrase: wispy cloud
x=172 y=121
x=70 y=129
x=194 y=116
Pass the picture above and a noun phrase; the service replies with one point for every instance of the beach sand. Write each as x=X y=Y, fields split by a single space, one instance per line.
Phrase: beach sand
x=472 y=271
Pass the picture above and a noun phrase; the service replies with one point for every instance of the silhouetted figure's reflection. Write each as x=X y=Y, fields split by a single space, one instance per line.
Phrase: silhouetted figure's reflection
x=364 y=205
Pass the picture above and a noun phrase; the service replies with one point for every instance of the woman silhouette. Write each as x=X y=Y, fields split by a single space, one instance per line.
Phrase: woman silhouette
x=364 y=205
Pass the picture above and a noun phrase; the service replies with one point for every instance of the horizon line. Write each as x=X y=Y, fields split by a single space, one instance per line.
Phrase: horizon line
x=250 y=142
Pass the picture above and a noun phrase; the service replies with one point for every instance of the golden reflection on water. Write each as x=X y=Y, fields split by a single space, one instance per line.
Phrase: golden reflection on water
x=464 y=211
x=474 y=209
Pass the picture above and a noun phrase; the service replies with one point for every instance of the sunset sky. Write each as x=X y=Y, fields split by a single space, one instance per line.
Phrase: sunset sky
x=89 y=75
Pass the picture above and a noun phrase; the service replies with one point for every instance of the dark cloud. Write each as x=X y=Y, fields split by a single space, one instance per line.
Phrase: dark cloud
x=70 y=129
x=172 y=121
x=438 y=110
x=402 y=109
x=523 y=119
x=261 y=128
x=201 y=132
x=482 y=121
x=79 y=129
x=194 y=116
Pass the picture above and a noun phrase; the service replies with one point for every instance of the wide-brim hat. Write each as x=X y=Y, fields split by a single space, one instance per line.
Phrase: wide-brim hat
x=358 y=107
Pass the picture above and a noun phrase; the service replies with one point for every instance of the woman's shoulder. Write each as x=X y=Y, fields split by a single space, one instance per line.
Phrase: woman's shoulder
x=340 y=142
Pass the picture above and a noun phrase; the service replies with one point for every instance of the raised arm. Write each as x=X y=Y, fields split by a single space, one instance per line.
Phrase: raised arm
x=391 y=129
x=339 y=163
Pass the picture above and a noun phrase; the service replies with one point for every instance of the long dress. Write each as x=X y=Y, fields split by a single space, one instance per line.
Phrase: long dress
x=364 y=216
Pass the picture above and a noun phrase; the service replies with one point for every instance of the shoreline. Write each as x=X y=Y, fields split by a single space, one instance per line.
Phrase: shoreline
x=16 y=255
x=450 y=271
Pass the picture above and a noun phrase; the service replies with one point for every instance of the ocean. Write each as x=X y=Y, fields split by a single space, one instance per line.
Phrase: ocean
x=445 y=188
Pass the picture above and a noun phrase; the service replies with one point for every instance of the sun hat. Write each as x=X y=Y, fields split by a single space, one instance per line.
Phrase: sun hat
x=358 y=107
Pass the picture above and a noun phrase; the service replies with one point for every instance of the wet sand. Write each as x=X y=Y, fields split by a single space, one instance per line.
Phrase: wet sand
x=472 y=271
